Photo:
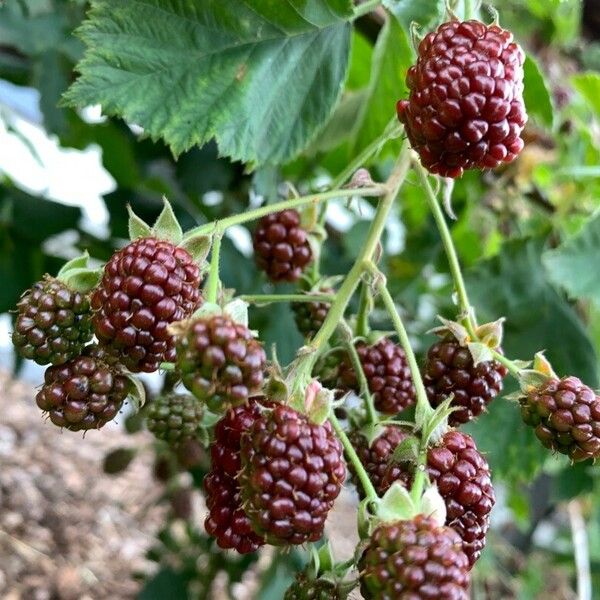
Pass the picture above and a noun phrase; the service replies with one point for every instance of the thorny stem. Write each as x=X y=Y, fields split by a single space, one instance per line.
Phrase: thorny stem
x=251 y=215
x=269 y=298
x=353 y=458
x=365 y=8
x=442 y=226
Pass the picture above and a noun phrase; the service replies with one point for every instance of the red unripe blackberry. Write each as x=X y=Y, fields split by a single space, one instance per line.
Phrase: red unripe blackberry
x=220 y=361
x=376 y=457
x=175 y=418
x=53 y=322
x=227 y=520
x=146 y=286
x=566 y=416
x=305 y=588
x=449 y=369
x=414 y=560
x=292 y=471
x=387 y=372
x=281 y=246
x=462 y=476
x=83 y=393
x=465 y=109
x=310 y=316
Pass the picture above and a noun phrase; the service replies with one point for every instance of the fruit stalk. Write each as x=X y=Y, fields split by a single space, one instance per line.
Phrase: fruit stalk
x=212 y=284
x=270 y=298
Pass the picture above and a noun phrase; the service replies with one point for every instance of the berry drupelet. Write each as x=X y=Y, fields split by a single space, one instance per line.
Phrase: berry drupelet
x=175 y=418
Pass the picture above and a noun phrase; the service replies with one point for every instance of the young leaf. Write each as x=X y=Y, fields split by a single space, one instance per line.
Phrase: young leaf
x=167 y=226
x=260 y=77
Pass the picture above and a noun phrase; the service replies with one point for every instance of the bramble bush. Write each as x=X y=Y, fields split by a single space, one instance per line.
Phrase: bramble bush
x=420 y=319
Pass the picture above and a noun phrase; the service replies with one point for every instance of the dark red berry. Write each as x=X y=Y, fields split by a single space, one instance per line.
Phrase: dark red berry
x=566 y=416
x=414 y=560
x=281 y=246
x=53 y=323
x=292 y=471
x=466 y=108
x=220 y=361
x=376 y=457
x=307 y=588
x=449 y=369
x=462 y=476
x=147 y=285
x=227 y=520
x=310 y=316
x=83 y=393
x=387 y=372
x=175 y=418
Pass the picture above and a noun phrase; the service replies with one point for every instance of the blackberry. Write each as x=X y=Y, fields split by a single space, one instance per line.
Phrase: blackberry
x=227 y=520
x=292 y=471
x=414 y=560
x=220 y=361
x=146 y=286
x=388 y=375
x=83 y=393
x=305 y=588
x=53 y=323
x=449 y=369
x=281 y=246
x=310 y=316
x=465 y=109
x=175 y=418
x=566 y=416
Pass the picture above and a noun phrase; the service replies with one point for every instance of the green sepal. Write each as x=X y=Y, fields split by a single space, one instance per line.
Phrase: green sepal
x=406 y=451
x=80 y=262
x=207 y=310
x=318 y=401
x=81 y=279
x=137 y=392
x=198 y=245
x=539 y=374
x=136 y=227
x=166 y=226
x=480 y=353
x=491 y=334
x=396 y=505
x=436 y=425
x=325 y=556
x=238 y=311
x=458 y=330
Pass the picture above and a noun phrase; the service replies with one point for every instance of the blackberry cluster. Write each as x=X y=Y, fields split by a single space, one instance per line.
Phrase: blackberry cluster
x=175 y=418
x=449 y=369
x=566 y=416
x=414 y=560
x=220 y=361
x=292 y=471
x=53 y=323
x=281 y=246
x=83 y=393
x=387 y=372
x=146 y=286
x=227 y=521
x=466 y=108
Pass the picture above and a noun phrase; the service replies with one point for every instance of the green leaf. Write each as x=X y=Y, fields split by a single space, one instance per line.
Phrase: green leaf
x=588 y=85
x=167 y=226
x=167 y=583
x=536 y=94
x=570 y=265
x=260 y=77
x=392 y=57
x=426 y=13
x=514 y=285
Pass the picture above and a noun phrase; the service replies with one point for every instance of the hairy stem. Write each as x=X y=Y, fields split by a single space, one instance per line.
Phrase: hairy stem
x=269 y=298
x=212 y=283
x=353 y=458
x=509 y=364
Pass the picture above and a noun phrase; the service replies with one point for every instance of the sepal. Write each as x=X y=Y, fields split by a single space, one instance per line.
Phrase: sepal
x=137 y=392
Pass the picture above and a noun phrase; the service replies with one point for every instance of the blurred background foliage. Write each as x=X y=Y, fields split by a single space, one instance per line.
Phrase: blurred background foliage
x=528 y=235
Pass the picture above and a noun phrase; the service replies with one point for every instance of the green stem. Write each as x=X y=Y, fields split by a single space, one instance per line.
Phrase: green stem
x=469 y=10
x=269 y=298
x=388 y=301
x=364 y=309
x=346 y=290
x=257 y=213
x=509 y=364
x=353 y=458
x=165 y=366
x=453 y=261
x=418 y=485
x=212 y=283
x=365 y=8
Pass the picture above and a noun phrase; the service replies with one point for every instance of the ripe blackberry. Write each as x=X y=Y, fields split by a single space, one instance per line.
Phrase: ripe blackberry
x=227 y=520
x=449 y=369
x=566 y=416
x=376 y=457
x=220 y=361
x=387 y=372
x=147 y=285
x=53 y=322
x=465 y=109
x=462 y=476
x=281 y=246
x=310 y=316
x=84 y=393
x=292 y=471
x=175 y=418
x=416 y=559
x=305 y=588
